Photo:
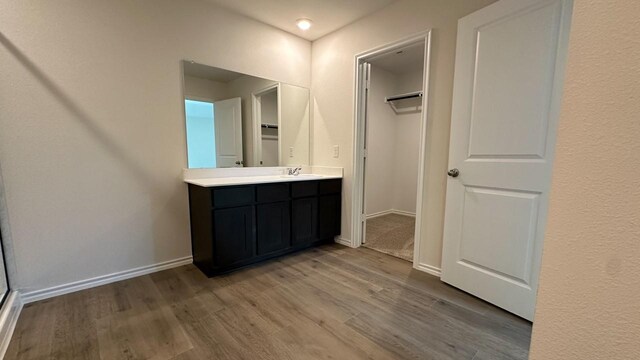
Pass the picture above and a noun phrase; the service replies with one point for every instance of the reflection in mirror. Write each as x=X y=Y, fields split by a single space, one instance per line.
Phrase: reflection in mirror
x=235 y=120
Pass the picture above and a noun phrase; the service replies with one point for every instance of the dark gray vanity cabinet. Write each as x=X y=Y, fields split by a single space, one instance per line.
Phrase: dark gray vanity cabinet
x=235 y=226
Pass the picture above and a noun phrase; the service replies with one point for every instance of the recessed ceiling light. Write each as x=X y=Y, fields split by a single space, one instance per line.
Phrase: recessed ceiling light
x=303 y=24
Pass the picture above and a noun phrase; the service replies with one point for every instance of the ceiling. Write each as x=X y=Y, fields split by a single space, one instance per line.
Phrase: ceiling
x=209 y=72
x=327 y=15
x=406 y=60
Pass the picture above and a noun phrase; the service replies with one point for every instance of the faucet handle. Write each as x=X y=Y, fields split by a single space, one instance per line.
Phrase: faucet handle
x=294 y=171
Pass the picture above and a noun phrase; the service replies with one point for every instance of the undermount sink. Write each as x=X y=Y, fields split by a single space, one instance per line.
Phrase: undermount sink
x=302 y=176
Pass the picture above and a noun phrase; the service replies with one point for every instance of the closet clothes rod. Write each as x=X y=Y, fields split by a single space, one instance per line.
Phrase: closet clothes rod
x=269 y=126
x=403 y=96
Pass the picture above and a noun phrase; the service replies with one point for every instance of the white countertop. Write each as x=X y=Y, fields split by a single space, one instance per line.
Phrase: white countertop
x=260 y=179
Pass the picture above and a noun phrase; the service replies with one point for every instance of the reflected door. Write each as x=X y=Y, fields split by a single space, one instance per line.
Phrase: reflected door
x=509 y=71
x=228 y=129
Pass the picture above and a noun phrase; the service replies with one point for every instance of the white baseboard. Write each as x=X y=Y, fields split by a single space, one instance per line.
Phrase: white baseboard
x=345 y=242
x=31 y=296
x=402 y=212
x=378 y=214
x=390 y=211
x=435 y=271
x=8 y=320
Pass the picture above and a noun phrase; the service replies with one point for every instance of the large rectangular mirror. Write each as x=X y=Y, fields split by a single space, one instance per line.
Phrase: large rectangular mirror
x=235 y=120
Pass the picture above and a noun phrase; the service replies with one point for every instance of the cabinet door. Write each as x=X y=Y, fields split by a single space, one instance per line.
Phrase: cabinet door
x=328 y=216
x=274 y=227
x=305 y=221
x=234 y=232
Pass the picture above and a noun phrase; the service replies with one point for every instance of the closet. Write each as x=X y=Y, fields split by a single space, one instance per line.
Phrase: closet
x=269 y=134
x=394 y=109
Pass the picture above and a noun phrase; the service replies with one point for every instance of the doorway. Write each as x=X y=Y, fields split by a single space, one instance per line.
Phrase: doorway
x=266 y=118
x=390 y=136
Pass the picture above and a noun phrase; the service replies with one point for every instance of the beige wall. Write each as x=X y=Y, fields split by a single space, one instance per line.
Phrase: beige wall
x=294 y=132
x=243 y=87
x=589 y=296
x=333 y=63
x=93 y=139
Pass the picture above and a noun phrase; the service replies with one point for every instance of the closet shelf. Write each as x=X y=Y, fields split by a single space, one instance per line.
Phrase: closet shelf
x=269 y=126
x=411 y=95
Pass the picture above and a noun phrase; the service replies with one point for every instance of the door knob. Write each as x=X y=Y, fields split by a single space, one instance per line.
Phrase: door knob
x=453 y=172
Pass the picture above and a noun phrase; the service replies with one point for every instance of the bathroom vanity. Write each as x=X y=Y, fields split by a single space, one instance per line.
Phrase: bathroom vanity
x=252 y=198
x=239 y=221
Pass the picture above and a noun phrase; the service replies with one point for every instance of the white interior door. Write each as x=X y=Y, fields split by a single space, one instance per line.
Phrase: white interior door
x=509 y=70
x=228 y=127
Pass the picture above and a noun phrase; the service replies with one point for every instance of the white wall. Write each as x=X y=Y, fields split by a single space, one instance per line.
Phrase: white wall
x=93 y=138
x=407 y=139
x=204 y=89
x=333 y=64
x=269 y=107
x=393 y=143
x=588 y=301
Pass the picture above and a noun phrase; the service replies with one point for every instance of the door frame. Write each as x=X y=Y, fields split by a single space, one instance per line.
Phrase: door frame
x=357 y=208
x=256 y=119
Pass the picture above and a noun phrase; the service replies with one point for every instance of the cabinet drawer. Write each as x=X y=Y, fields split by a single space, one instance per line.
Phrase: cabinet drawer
x=333 y=186
x=273 y=192
x=304 y=189
x=233 y=196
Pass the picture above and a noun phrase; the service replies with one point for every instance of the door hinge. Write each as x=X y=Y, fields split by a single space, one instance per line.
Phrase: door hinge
x=365 y=153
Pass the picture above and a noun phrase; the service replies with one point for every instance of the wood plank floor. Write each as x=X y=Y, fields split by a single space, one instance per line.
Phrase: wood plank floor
x=327 y=303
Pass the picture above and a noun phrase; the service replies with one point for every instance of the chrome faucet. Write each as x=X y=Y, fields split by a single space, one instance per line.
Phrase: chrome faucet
x=294 y=171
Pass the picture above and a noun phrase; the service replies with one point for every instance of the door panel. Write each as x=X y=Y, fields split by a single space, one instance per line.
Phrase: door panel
x=234 y=235
x=515 y=61
x=228 y=129
x=305 y=221
x=329 y=208
x=499 y=241
x=274 y=227
x=508 y=82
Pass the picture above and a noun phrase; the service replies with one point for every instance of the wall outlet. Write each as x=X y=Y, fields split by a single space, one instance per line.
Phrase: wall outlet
x=336 y=151
x=291 y=151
